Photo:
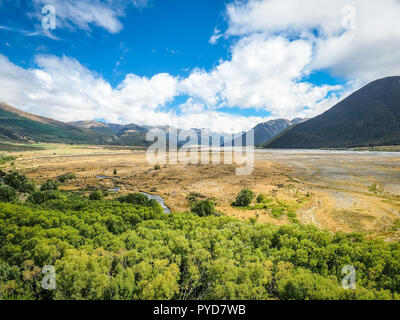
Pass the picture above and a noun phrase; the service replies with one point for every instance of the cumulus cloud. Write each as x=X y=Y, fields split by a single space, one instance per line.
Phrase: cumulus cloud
x=263 y=73
x=354 y=39
x=63 y=89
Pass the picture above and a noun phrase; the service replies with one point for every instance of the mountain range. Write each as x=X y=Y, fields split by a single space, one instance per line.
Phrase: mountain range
x=265 y=131
x=368 y=117
x=19 y=126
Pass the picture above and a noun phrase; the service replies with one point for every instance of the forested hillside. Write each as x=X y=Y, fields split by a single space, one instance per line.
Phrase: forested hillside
x=16 y=125
x=126 y=248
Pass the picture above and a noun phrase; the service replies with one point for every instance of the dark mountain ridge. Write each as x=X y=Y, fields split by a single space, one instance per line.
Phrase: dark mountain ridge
x=368 y=117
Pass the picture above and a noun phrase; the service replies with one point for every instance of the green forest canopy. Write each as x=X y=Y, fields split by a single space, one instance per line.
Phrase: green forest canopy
x=108 y=249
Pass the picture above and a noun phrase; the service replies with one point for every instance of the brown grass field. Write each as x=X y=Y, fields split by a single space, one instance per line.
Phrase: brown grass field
x=334 y=190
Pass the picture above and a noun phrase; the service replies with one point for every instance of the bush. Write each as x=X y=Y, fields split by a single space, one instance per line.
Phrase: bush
x=40 y=197
x=95 y=196
x=66 y=176
x=28 y=187
x=7 y=194
x=15 y=180
x=135 y=199
x=4 y=159
x=157 y=167
x=139 y=199
x=262 y=198
x=204 y=208
x=49 y=185
x=244 y=198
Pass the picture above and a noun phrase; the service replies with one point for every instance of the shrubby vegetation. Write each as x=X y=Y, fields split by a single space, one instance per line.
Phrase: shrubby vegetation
x=262 y=198
x=7 y=194
x=95 y=196
x=129 y=249
x=67 y=176
x=40 y=197
x=4 y=159
x=244 y=198
x=49 y=185
x=18 y=182
x=140 y=199
x=203 y=208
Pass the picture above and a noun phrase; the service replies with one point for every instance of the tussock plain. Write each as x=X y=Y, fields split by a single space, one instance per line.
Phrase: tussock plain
x=334 y=190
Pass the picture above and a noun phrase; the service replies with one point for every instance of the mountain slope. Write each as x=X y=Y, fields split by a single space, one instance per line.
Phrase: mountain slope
x=265 y=131
x=17 y=125
x=20 y=126
x=130 y=134
x=368 y=117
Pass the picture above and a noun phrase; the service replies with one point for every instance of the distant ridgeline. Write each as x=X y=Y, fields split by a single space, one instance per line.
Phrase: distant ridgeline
x=368 y=117
x=20 y=126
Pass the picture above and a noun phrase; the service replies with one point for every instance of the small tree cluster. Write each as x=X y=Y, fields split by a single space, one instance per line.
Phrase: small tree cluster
x=7 y=194
x=66 y=176
x=18 y=182
x=203 y=208
x=95 y=196
x=49 y=185
x=244 y=198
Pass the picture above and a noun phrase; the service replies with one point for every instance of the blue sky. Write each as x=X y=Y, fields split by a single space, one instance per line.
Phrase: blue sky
x=156 y=62
x=166 y=36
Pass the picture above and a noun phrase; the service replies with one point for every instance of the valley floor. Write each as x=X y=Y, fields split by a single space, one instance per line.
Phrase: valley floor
x=334 y=190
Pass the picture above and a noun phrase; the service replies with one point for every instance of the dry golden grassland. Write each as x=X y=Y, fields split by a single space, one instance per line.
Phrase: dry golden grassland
x=337 y=191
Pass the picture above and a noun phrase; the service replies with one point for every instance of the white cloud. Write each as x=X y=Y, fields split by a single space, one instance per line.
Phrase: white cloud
x=63 y=89
x=215 y=36
x=368 y=51
x=263 y=73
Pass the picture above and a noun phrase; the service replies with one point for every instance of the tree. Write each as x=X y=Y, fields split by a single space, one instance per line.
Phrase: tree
x=203 y=208
x=115 y=172
x=15 y=180
x=66 y=176
x=96 y=196
x=49 y=185
x=28 y=187
x=135 y=198
x=244 y=198
x=7 y=194
x=40 y=197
